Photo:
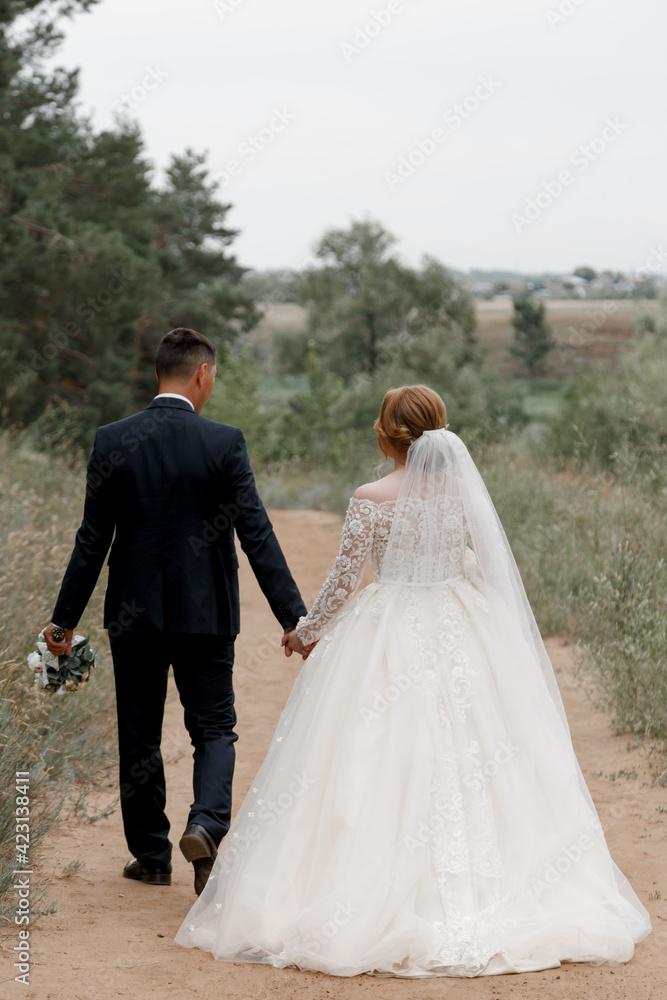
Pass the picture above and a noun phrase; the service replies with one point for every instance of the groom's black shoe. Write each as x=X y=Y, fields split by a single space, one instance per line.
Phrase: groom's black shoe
x=199 y=847
x=151 y=876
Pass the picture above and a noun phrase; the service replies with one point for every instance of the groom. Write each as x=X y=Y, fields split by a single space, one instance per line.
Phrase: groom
x=166 y=489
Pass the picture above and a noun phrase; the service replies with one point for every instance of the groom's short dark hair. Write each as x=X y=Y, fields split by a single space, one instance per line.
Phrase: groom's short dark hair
x=182 y=351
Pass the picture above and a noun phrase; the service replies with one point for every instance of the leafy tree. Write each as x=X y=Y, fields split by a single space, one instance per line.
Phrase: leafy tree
x=532 y=336
x=585 y=272
x=440 y=302
x=356 y=298
x=616 y=417
x=363 y=298
x=424 y=331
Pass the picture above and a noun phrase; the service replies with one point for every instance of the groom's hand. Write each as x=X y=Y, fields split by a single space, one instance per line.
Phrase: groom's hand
x=59 y=648
x=291 y=642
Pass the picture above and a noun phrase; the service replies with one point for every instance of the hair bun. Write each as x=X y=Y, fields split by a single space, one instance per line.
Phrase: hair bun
x=406 y=413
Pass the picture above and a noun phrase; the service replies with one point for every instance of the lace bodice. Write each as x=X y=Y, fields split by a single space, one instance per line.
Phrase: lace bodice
x=366 y=535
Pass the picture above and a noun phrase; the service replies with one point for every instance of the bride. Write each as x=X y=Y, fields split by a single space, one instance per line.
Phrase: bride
x=420 y=811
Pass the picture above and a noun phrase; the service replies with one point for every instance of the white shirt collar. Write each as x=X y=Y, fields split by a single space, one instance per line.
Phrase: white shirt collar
x=174 y=395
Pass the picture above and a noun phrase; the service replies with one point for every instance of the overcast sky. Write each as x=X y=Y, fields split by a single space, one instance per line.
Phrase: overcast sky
x=339 y=95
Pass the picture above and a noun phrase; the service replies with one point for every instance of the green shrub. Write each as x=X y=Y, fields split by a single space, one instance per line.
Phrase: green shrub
x=625 y=626
x=618 y=418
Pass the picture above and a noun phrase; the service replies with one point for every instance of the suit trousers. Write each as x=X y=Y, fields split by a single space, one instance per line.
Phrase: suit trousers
x=202 y=667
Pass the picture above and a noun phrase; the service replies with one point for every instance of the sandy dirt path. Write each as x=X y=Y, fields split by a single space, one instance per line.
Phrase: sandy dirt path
x=111 y=937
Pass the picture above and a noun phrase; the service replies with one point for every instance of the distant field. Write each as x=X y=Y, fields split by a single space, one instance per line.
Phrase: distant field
x=279 y=317
x=586 y=330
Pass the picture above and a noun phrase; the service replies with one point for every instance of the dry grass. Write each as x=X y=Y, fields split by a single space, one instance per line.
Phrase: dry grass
x=590 y=549
x=63 y=741
x=586 y=331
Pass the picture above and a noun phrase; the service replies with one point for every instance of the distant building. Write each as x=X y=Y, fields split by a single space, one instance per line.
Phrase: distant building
x=482 y=289
x=576 y=286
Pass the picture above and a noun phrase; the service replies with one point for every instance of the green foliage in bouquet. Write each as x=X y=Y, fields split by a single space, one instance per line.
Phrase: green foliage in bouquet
x=57 y=674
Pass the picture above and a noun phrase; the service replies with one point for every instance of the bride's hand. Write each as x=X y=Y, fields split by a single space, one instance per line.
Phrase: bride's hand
x=293 y=644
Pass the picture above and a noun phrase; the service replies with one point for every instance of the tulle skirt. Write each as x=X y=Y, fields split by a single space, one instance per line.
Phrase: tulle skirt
x=420 y=811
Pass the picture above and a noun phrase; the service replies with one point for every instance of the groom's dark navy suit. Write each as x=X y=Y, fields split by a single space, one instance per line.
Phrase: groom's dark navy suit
x=167 y=489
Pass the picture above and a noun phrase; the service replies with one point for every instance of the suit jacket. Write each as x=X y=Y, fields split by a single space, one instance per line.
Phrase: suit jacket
x=174 y=487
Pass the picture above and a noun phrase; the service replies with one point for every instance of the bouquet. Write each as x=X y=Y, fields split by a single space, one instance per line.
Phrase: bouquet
x=63 y=673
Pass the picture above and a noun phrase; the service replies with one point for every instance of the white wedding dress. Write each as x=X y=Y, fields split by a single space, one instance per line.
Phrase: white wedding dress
x=420 y=811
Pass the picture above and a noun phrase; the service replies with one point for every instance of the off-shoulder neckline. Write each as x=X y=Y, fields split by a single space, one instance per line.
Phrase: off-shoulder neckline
x=382 y=503
x=374 y=502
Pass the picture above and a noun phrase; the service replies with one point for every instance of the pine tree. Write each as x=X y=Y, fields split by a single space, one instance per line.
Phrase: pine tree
x=199 y=282
x=95 y=264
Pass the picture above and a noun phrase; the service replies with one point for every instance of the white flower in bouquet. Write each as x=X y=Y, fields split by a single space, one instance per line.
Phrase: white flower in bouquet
x=35 y=664
x=58 y=674
x=49 y=659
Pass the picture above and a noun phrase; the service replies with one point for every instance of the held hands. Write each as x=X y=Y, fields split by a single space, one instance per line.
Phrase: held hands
x=292 y=644
x=58 y=648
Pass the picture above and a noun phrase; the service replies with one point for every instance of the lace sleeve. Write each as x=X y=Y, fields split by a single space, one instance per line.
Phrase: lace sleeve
x=346 y=572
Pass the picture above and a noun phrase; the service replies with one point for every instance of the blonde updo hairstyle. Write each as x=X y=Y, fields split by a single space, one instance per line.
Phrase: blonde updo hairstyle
x=405 y=414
